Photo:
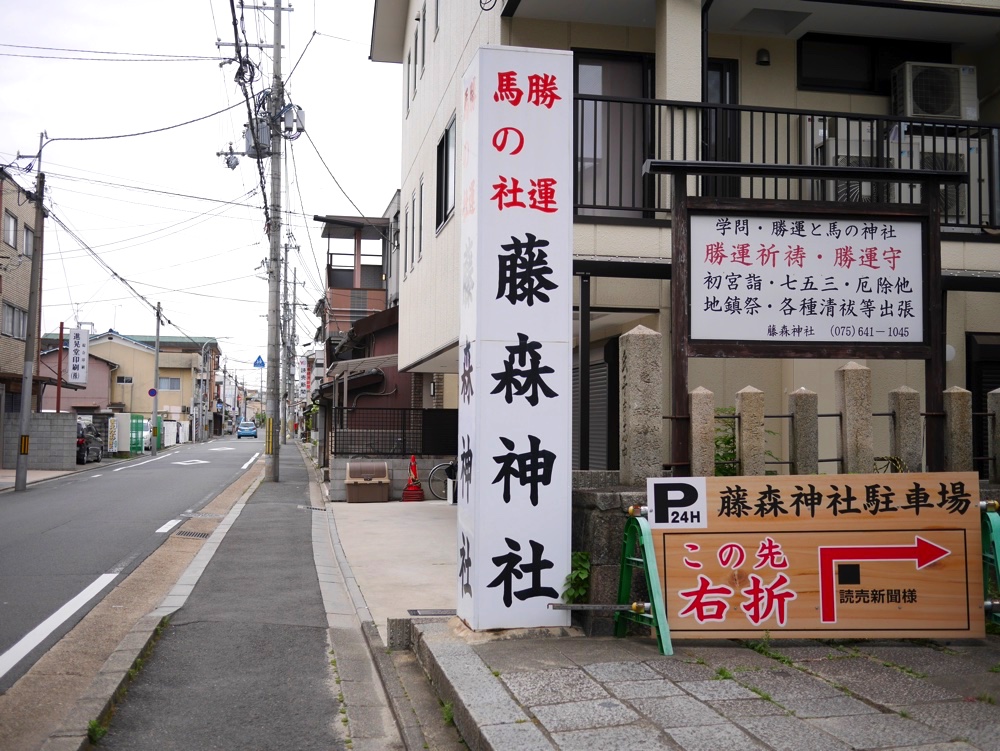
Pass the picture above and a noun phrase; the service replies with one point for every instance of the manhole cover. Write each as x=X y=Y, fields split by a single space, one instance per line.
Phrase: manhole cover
x=193 y=535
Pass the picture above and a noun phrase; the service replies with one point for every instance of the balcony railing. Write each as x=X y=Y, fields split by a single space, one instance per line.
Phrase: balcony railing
x=614 y=136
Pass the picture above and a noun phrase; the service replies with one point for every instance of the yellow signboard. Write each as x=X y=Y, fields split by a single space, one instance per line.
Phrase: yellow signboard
x=820 y=556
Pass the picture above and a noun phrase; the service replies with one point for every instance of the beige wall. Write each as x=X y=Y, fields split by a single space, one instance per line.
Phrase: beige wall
x=138 y=361
x=15 y=271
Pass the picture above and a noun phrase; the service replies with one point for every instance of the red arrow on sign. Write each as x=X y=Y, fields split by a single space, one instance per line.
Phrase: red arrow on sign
x=922 y=552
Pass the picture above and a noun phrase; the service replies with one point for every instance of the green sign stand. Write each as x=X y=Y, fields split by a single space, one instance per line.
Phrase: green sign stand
x=637 y=553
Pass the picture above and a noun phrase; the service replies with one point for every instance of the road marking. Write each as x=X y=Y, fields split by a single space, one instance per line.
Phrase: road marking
x=139 y=464
x=168 y=526
x=223 y=448
x=40 y=632
x=252 y=460
x=189 y=462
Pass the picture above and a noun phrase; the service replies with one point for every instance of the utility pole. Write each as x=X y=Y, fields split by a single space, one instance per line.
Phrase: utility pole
x=34 y=293
x=291 y=347
x=284 y=359
x=271 y=471
x=154 y=425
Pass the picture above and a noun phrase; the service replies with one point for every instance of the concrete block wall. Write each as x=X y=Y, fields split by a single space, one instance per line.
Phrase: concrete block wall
x=53 y=440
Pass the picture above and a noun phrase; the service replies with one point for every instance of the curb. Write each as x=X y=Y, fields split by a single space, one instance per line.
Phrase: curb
x=98 y=701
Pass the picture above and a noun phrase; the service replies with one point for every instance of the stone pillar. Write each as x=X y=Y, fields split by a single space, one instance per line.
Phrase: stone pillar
x=641 y=420
x=957 y=430
x=993 y=408
x=803 y=438
x=854 y=401
x=906 y=431
x=702 y=410
x=750 y=430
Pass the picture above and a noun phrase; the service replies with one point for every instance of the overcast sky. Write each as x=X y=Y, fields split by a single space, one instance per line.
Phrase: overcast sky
x=162 y=211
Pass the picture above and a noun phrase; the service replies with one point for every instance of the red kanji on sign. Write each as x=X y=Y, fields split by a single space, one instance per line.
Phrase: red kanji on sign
x=507 y=88
x=542 y=195
x=542 y=90
x=507 y=196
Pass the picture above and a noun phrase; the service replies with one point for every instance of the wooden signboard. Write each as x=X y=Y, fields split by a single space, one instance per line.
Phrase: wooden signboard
x=822 y=556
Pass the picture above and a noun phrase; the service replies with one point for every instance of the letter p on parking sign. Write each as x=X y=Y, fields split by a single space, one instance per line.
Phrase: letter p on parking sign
x=677 y=503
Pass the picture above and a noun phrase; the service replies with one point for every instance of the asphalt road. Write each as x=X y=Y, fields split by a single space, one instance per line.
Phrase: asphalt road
x=66 y=542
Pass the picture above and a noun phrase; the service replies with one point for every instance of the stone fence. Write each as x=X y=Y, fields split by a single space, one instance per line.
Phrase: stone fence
x=601 y=498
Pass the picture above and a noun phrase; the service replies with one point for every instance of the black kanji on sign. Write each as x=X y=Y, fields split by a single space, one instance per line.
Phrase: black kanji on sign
x=511 y=568
x=467 y=391
x=524 y=271
x=526 y=378
x=465 y=565
x=532 y=468
x=465 y=464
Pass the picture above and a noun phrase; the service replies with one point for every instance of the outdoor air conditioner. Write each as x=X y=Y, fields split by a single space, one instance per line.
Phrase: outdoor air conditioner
x=839 y=152
x=934 y=90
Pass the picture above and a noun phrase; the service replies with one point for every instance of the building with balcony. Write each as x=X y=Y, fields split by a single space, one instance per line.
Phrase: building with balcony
x=899 y=85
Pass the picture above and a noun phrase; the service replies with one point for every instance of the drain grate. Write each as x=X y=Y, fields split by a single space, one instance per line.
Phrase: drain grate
x=311 y=508
x=192 y=535
x=430 y=611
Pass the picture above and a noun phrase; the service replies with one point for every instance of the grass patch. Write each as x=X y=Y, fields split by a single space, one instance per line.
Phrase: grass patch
x=986 y=698
x=95 y=731
x=723 y=674
x=448 y=713
x=762 y=694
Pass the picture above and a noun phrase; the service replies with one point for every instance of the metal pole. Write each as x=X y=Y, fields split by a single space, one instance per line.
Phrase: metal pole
x=59 y=363
x=284 y=358
x=274 y=266
x=154 y=427
x=34 y=291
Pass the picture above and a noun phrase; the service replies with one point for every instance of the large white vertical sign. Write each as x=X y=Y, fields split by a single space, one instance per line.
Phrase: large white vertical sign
x=515 y=358
x=77 y=356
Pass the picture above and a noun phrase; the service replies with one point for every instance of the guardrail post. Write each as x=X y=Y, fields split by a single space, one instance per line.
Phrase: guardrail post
x=803 y=437
x=906 y=429
x=854 y=400
x=702 y=409
x=750 y=430
x=957 y=430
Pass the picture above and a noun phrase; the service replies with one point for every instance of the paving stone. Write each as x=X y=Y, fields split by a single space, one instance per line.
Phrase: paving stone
x=974 y=721
x=642 y=689
x=733 y=658
x=682 y=670
x=921 y=659
x=735 y=709
x=621 y=671
x=677 y=711
x=645 y=737
x=791 y=734
x=879 y=731
x=714 y=738
x=552 y=686
x=880 y=684
x=538 y=655
x=578 y=715
x=787 y=683
x=827 y=706
x=721 y=689
x=522 y=736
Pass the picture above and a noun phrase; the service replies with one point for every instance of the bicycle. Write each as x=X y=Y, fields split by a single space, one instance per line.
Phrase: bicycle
x=438 y=477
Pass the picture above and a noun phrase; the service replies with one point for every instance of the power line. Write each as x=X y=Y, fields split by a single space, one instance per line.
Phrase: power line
x=101 y=52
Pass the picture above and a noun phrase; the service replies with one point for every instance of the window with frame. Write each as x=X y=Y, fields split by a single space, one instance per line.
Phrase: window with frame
x=15 y=322
x=420 y=221
x=408 y=82
x=123 y=380
x=416 y=58
x=445 y=196
x=406 y=243
x=10 y=229
x=169 y=384
x=437 y=17
x=29 y=241
x=423 y=38
x=413 y=229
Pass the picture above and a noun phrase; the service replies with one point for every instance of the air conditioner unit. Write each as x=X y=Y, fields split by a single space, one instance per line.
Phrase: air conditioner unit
x=846 y=153
x=946 y=153
x=933 y=90
x=185 y=409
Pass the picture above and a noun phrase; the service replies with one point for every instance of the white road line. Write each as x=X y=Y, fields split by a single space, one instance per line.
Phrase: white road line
x=139 y=464
x=40 y=632
x=252 y=460
x=168 y=526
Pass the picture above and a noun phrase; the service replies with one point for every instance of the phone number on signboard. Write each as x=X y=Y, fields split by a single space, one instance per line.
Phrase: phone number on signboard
x=892 y=332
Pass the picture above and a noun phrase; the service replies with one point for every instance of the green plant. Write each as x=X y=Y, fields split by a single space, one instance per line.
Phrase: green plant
x=727 y=457
x=723 y=674
x=995 y=669
x=986 y=699
x=578 y=579
x=95 y=731
x=448 y=713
